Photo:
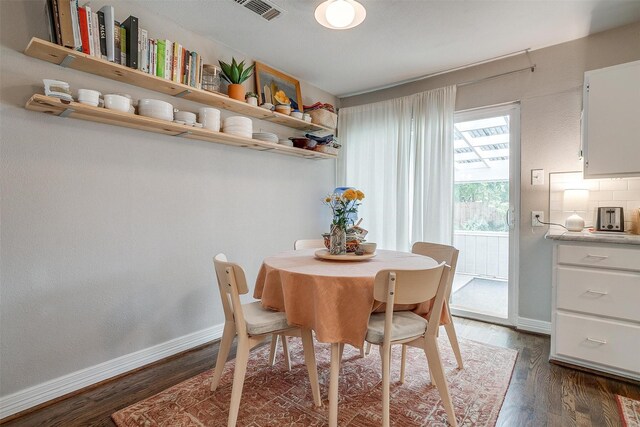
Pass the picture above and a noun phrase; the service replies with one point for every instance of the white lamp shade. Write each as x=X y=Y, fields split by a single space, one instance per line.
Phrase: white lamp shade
x=340 y=14
x=575 y=200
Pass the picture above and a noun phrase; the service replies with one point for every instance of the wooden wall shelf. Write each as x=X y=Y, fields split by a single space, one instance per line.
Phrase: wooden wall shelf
x=65 y=57
x=55 y=106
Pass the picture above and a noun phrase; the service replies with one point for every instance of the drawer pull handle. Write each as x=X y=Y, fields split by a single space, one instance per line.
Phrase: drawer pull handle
x=596 y=340
x=598 y=257
x=601 y=293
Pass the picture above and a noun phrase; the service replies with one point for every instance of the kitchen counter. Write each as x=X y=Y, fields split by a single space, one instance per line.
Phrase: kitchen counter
x=602 y=237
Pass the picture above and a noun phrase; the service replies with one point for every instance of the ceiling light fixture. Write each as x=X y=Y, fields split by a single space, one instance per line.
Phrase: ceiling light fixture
x=340 y=14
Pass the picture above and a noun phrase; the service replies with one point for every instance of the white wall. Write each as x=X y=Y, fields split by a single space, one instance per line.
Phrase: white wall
x=107 y=233
x=551 y=102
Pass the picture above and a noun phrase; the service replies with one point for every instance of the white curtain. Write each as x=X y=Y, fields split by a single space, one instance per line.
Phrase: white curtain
x=400 y=153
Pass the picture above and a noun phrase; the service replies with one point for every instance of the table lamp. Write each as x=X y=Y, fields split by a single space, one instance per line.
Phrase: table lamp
x=575 y=200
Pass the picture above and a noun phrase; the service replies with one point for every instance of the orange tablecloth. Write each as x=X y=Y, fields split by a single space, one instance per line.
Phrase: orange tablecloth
x=334 y=298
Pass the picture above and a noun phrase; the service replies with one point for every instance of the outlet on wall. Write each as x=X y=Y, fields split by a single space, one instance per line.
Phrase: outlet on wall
x=535 y=222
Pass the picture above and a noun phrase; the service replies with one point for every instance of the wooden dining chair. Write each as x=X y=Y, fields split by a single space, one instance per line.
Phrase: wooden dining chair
x=405 y=327
x=308 y=244
x=449 y=255
x=251 y=324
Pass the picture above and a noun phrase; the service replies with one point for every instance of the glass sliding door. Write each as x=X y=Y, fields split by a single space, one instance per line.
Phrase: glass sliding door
x=486 y=197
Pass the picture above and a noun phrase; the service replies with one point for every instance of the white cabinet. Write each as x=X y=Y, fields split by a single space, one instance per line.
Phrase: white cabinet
x=596 y=307
x=610 y=122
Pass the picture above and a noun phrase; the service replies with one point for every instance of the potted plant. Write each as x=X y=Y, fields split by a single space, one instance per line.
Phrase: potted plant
x=252 y=98
x=235 y=73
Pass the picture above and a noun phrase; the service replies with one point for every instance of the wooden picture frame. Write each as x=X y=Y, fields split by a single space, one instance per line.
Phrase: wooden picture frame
x=269 y=80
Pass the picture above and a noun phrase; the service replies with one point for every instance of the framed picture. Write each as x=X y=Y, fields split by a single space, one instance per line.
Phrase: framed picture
x=270 y=82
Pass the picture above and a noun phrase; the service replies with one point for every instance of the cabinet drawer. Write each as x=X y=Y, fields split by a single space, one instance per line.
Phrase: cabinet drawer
x=601 y=341
x=602 y=292
x=604 y=257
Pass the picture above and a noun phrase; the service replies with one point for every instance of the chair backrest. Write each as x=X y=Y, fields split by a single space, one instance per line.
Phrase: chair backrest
x=308 y=244
x=412 y=287
x=440 y=253
x=232 y=283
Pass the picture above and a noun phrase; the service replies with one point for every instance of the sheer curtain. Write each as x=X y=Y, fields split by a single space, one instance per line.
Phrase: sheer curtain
x=400 y=153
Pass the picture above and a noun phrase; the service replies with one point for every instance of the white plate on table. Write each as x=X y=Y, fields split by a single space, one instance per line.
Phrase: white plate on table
x=324 y=254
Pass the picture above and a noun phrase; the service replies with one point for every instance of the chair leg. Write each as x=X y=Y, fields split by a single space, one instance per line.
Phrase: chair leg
x=242 y=356
x=310 y=361
x=333 y=384
x=367 y=349
x=453 y=339
x=403 y=363
x=386 y=373
x=274 y=348
x=285 y=351
x=362 y=352
x=228 y=334
x=437 y=373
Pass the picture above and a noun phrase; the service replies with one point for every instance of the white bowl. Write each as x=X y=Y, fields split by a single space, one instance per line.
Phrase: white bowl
x=185 y=116
x=155 y=104
x=296 y=114
x=162 y=115
x=368 y=247
x=267 y=106
x=237 y=120
x=117 y=103
x=89 y=97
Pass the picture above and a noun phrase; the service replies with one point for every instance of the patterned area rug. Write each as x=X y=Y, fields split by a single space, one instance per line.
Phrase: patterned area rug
x=629 y=411
x=273 y=396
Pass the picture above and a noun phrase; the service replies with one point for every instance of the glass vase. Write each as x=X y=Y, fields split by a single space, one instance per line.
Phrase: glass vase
x=338 y=240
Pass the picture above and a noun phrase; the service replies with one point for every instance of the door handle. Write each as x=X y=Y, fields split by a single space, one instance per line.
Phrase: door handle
x=597 y=257
x=597 y=341
x=601 y=293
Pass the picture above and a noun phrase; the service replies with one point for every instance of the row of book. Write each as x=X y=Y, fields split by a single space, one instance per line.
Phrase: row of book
x=99 y=34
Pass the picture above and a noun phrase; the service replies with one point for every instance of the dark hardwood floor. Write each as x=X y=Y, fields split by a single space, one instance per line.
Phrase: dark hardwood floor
x=540 y=393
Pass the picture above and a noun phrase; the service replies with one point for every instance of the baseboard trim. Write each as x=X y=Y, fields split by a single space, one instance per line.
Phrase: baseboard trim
x=50 y=390
x=534 y=325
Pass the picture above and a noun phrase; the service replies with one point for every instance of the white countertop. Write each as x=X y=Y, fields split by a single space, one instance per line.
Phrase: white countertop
x=596 y=237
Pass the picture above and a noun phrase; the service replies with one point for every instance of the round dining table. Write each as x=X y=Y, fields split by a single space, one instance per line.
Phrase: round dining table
x=332 y=298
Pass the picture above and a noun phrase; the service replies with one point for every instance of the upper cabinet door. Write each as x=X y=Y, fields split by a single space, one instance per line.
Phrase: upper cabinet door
x=611 y=121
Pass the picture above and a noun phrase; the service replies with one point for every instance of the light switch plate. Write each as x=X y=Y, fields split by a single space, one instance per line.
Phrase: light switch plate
x=537 y=176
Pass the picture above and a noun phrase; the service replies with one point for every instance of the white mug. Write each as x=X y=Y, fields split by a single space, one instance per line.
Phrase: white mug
x=210 y=118
x=89 y=97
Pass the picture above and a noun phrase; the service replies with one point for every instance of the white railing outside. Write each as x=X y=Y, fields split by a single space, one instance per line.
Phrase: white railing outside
x=483 y=253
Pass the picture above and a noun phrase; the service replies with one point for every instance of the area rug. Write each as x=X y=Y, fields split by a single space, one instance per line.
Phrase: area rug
x=273 y=396
x=629 y=411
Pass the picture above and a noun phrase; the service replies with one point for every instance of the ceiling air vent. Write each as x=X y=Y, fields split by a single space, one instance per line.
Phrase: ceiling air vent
x=263 y=8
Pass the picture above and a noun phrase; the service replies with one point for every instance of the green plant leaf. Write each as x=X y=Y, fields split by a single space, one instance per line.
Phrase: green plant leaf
x=247 y=73
x=226 y=71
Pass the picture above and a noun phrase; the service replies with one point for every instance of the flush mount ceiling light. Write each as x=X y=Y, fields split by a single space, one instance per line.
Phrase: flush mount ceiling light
x=340 y=14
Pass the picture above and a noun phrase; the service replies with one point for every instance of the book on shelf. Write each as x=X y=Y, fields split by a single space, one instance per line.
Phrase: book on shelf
x=110 y=33
x=153 y=53
x=143 y=50
x=160 y=50
x=102 y=34
x=52 y=26
x=130 y=25
x=123 y=45
x=84 y=30
x=168 y=59
x=73 y=5
x=66 y=24
x=95 y=27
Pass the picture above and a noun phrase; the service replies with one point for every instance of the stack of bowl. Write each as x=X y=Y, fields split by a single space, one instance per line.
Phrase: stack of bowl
x=238 y=125
x=156 y=109
x=266 y=137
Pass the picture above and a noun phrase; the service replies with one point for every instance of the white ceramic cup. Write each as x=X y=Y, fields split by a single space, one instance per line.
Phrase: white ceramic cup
x=89 y=97
x=252 y=101
x=185 y=116
x=210 y=118
x=117 y=102
x=368 y=247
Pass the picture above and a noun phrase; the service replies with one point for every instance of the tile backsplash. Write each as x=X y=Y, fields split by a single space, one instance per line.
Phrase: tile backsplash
x=622 y=192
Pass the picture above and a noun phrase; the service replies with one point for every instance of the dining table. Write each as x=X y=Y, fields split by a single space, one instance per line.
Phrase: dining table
x=334 y=298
